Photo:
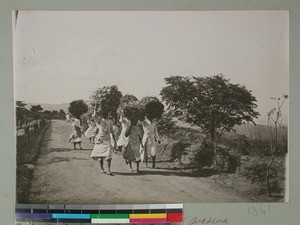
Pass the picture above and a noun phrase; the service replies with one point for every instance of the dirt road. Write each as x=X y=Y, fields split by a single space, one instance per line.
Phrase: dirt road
x=68 y=176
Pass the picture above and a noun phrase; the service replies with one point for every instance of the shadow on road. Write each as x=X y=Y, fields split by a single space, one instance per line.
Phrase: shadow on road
x=197 y=173
x=67 y=149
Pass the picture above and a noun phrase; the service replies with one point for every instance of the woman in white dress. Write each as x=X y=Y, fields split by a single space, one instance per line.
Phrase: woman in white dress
x=90 y=131
x=149 y=141
x=122 y=141
x=103 y=148
x=75 y=136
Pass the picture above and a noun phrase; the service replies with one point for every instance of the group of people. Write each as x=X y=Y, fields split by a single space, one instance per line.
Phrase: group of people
x=137 y=140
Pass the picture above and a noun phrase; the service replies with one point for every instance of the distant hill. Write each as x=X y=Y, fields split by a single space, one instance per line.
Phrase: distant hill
x=256 y=131
x=51 y=107
x=249 y=130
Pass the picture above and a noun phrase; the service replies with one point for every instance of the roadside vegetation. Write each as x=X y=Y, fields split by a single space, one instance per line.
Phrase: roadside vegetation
x=197 y=119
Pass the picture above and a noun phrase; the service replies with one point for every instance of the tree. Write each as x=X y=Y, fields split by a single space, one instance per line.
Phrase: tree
x=21 y=113
x=35 y=111
x=274 y=125
x=212 y=103
x=36 y=108
x=77 y=108
x=62 y=114
x=47 y=114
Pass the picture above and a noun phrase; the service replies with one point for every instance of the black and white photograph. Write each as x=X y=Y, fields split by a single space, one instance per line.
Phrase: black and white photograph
x=146 y=107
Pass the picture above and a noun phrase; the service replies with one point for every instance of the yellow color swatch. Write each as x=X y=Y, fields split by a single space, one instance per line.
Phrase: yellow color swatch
x=146 y=216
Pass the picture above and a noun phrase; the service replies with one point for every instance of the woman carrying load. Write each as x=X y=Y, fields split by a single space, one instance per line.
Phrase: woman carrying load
x=103 y=148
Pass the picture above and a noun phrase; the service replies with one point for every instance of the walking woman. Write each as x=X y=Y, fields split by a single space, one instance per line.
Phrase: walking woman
x=149 y=141
x=133 y=135
x=103 y=148
x=122 y=141
x=90 y=131
x=75 y=136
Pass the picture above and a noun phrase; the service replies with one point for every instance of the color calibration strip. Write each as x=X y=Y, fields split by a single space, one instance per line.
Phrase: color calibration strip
x=104 y=214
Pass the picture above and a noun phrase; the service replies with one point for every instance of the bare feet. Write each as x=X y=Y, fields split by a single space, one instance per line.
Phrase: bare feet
x=109 y=173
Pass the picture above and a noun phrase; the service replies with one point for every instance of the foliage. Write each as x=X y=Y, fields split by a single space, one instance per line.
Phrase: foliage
x=47 y=114
x=128 y=99
x=179 y=149
x=204 y=153
x=166 y=124
x=151 y=108
x=61 y=115
x=35 y=111
x=21 y=113
x=77 y=108
x=226 y=161
x=107 y=99
x=274 y=125
x=212 y=103
x=36 y=108
x=132 y=112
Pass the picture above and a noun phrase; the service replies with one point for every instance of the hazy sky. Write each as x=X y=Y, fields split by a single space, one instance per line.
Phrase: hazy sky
x=64 y=56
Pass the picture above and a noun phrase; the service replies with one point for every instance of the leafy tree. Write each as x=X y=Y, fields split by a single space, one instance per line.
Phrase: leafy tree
x=77 y=108
x=212 y=103
x=36 y=108
x=107 y=99
x=21 y=112
x=62 y=114
x=35 y=111
x=47 y=114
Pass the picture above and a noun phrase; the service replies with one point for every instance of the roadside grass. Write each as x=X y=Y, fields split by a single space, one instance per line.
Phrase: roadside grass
x=26 y=157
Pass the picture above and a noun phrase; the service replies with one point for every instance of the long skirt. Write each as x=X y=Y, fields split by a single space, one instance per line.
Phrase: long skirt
x=131 y=151
x=149 y=148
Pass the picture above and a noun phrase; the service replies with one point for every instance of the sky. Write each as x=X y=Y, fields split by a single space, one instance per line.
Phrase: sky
x=64 y=56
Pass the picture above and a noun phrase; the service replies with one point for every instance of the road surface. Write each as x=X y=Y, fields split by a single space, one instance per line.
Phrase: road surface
x=68 y=176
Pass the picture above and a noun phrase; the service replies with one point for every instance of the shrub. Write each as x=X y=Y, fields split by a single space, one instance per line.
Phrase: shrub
x=179 y=149
x=166 y=125
x=226 y=161
x=204 y=153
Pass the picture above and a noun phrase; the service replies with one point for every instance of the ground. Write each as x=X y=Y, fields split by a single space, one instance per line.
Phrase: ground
x=68 y=176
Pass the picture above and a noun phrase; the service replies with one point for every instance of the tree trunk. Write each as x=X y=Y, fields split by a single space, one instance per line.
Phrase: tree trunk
x=214 y=141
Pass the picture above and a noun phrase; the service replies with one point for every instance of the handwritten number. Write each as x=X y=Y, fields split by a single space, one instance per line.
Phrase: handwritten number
x=253 y=211
x=261 y=210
